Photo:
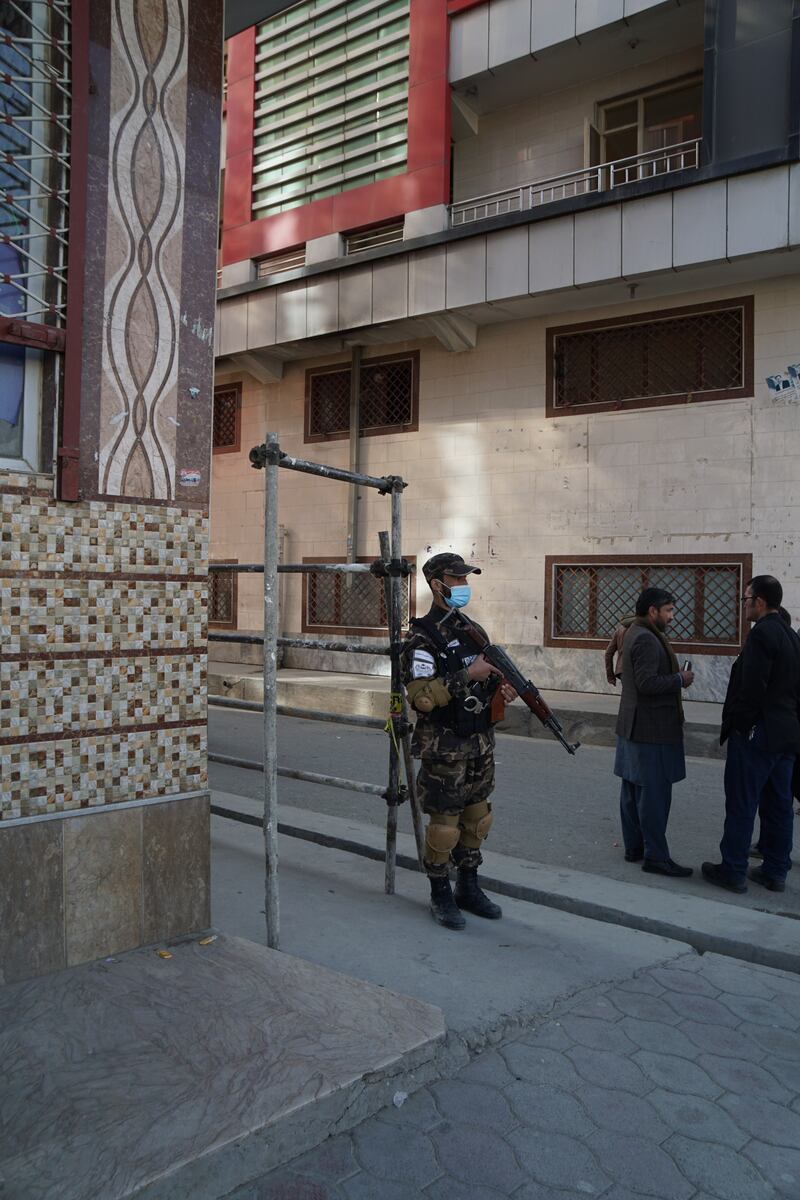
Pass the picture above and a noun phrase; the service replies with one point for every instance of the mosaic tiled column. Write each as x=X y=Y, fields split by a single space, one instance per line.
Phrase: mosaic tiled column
x=103 y=804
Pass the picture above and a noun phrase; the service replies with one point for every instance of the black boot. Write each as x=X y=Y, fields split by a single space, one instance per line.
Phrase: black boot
x=443 y=906
x=470 y=897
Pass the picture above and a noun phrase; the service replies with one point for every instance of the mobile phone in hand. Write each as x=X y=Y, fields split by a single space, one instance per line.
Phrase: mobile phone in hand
x=687 y=666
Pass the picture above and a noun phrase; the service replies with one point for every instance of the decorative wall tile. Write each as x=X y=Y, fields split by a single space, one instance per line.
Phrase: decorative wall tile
x=86 y=772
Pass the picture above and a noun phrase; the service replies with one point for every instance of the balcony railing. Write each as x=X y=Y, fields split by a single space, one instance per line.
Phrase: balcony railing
x=600 y=178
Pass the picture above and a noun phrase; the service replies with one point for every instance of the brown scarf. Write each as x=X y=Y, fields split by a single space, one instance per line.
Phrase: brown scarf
x=646 y=623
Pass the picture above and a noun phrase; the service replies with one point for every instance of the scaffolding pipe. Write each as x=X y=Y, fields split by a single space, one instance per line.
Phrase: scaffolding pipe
x=382 y=484
x=348 y=785
x=299 y=643
x=355 y=447
x=306 y=714
x=394 y=753
x=350 y=568
x=271 y=899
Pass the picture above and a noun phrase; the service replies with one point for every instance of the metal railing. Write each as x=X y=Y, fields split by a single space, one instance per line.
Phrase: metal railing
x=601 y=178
x=391 y=567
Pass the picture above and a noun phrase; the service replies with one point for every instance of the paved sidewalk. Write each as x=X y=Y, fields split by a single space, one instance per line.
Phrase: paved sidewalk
x=680 y=1083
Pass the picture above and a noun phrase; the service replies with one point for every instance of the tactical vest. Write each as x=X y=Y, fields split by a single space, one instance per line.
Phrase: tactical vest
x=455 y=715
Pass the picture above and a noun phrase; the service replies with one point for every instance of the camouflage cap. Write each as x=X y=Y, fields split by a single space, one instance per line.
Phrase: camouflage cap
x=451 y=564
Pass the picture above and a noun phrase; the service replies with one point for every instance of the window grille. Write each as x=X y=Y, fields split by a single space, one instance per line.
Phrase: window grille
x=587 y=598
x=276 y=264
x=389 y=398
x=696 y=353
x=369 y=239
x=338 y=603
x=223 y=596
x=227 y=409
x=35 y=96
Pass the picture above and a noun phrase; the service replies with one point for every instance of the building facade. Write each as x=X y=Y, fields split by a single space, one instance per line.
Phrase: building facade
x=110 y=199
x=552 y=251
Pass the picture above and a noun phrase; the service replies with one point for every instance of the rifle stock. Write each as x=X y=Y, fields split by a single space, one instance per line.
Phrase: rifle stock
x=525 y=688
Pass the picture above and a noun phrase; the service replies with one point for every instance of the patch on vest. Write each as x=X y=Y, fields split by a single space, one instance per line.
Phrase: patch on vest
x=422 y=665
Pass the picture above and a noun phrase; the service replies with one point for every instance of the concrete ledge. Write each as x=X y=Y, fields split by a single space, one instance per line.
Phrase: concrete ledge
x=701 y=921
x=183 y=1077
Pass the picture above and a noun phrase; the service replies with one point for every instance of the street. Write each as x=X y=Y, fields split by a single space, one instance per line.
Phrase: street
x=549 y=808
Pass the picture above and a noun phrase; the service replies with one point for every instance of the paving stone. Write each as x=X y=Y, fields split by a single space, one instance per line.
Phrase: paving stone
x=365 y=1186
x=406 y=1156
x=697 y=1118
x=764 y=1120
x=640 y=1166
x=489 y=1067
x=738 y=978
x=646 y=1008
x=786 y=1073
x=551 y=1035
x=783 y=983
x=646 y=983
x=331 y=1161
x=285 y=1185
x=610 y=1070
x=700 y=1008
x=667 y=1039
x=594 y=1006
x=559 y=1160
x=744 y=1078
x=548 y=1108
x=540 y=1191
x=675 y=980
x=676 y=1074
x=718 y=1170
x=622 y=1112
x=597 y=1035
x=478 y=1156
x=448 y=1188
x=478 y=1103
x=418 y=1110
x=779 y=1165
x=537 y=1064
x=781 y=1042
x=760 y=1012
x=734 y=1043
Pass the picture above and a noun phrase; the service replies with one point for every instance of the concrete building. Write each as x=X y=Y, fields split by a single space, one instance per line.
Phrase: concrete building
x=558 y=245
x=109 y=206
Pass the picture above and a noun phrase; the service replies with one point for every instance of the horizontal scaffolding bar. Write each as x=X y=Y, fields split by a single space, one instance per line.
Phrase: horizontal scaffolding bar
x=318 y=839
x=305 y=714
x=300 y=643
x=382 y=483
x=295 y=568
x=350 y=785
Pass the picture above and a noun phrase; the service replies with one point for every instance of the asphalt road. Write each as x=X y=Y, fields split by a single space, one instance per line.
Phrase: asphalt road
x=549 y=808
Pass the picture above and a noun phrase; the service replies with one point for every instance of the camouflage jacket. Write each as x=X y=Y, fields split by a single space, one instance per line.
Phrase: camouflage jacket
x=436 y=734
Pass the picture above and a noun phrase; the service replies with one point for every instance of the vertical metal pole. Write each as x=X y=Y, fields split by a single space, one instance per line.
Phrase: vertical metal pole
x=393 y=621
x=271 y=617
x=355 y=457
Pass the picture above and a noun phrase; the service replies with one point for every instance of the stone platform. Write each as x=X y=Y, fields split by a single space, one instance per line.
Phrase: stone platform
x=587 y=717
x=180 y=1078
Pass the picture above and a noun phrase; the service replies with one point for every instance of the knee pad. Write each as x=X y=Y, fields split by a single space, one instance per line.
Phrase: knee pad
x=476 y=821
x=441 y=837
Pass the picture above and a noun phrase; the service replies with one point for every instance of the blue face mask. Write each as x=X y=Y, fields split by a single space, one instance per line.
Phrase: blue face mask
x=459 y=596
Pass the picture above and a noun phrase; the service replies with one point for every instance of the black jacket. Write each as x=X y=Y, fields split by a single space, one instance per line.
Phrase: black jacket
x=649 y=710
x=765 y=686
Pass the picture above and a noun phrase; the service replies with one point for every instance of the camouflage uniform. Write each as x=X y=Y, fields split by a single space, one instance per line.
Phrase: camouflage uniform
x=455 y=747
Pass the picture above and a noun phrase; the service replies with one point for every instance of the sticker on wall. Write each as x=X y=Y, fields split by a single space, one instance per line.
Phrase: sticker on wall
x=189 y=478
x=785 y=384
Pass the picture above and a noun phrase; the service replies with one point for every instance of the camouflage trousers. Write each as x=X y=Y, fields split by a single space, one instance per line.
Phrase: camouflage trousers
x=449 y=784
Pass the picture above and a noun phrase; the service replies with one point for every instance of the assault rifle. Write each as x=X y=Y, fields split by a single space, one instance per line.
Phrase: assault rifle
x=525 y=689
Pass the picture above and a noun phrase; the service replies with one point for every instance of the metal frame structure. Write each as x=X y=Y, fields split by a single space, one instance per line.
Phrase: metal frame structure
x=392 y=568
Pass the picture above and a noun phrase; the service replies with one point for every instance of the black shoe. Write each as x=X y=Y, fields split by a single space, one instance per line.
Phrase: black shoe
x=758 y=875
x=666 y=867
x=443 y=906
x=471 y=898
x=634 y=855
x=715 y=873
x=754 y=851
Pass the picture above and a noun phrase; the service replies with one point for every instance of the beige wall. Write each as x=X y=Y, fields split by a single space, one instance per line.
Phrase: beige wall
x=544 y=135
x=492 y=477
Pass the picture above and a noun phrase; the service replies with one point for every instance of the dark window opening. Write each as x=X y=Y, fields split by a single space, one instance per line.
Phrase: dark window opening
x=389 y=399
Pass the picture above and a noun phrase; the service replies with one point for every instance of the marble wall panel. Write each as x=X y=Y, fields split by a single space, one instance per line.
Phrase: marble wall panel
x=175 y=868
x=31 y=901
x=102 y=884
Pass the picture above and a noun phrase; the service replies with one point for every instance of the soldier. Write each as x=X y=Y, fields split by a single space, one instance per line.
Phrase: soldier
x=452 y=692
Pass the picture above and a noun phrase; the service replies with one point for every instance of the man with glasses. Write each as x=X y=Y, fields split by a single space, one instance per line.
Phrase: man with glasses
x=761 y=724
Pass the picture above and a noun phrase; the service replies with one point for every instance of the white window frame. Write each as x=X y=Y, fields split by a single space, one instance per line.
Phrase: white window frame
x=674 y=85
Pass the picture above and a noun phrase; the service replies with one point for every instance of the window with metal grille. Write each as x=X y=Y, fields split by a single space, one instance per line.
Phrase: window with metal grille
x=586 y=598
x=700 y=352
x=389 y=398
x=369 y=239
x=223 y=594
x=276 y=264
x=339 y=603
x=227 y=414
